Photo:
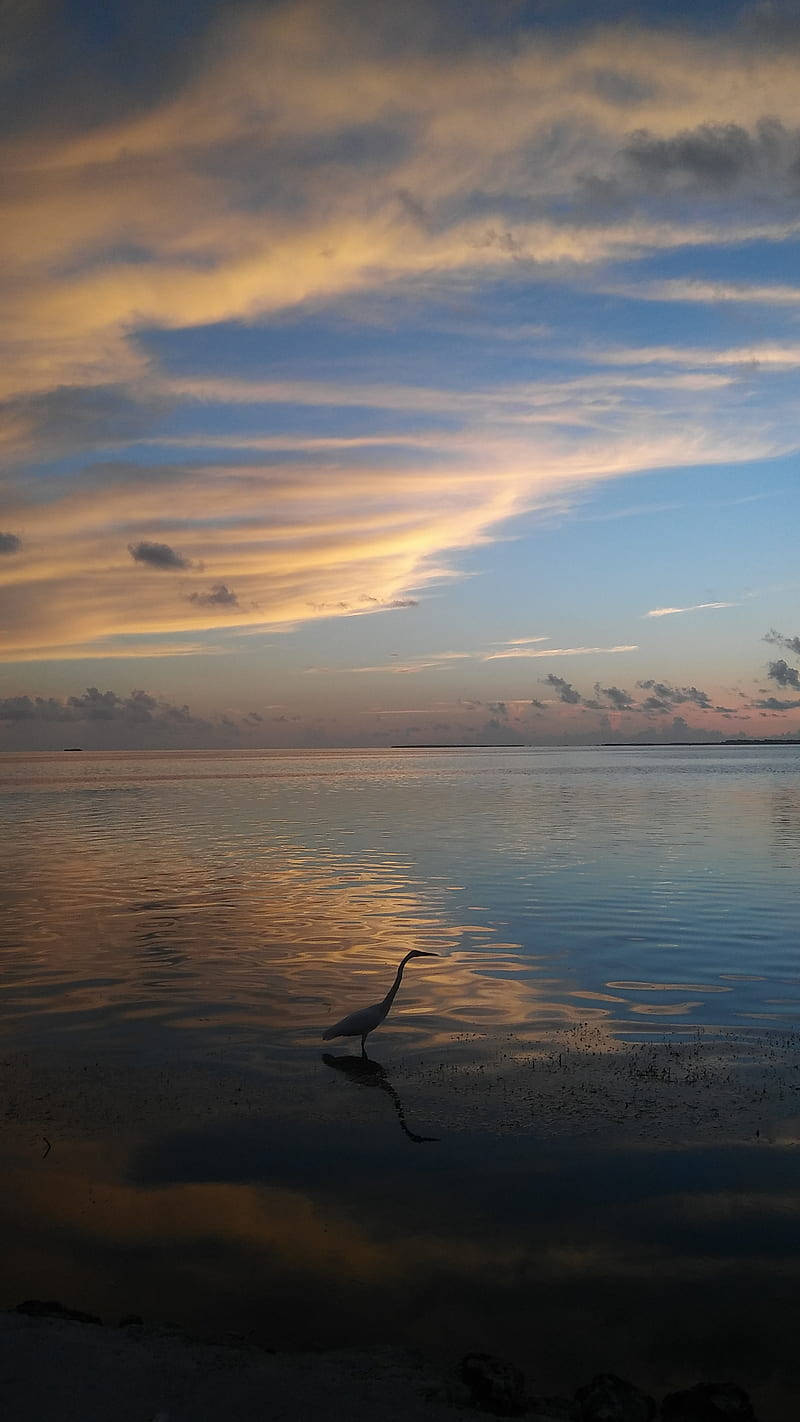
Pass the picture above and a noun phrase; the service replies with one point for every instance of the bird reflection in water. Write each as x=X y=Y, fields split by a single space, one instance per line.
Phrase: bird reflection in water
x=366 y=1072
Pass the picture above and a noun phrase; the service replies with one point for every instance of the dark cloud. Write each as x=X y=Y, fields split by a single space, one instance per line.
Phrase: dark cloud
x=157 y=555
x=498 y=708
x=778 y=639
x=219 y=596
x=771 y=703
x=72 y=417
x=715 y=155
x=666 y=696
x=659 y=689
x=785 y=675
x=379 y=603
x=537 y=705
x=93 y=705
x=620 y=699
x=10 y=543
x=34 y=708
x=96 y=705
x=253 y=717
x=566 y=692
x=619 y=87
x=693 y=694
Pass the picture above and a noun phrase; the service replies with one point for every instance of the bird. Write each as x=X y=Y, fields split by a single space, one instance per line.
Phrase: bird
x=366 y=1019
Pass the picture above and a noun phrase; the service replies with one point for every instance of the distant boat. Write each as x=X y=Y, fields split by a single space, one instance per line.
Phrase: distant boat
x=73 y=748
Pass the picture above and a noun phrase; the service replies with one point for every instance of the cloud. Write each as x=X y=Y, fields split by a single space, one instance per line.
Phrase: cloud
x=93 y=705
x=666 y=695
x=559 y=652
x=693 y=289
x=771 y=703
x=778 y=639
x=219 y=596
x=157 y=555
x=696 y=607
x=10 y=543
x=566 y=692
x=783 y=674
x=36 y=708
x=290 y=164
x=521 y=641
x=717 y=156
x=775 y=355
x=620 y=700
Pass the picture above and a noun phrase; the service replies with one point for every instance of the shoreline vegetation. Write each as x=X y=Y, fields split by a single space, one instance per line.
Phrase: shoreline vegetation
x=602 y=745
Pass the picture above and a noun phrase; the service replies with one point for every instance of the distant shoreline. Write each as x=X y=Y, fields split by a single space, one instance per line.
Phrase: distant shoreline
x=738 y=741
x=601 y=745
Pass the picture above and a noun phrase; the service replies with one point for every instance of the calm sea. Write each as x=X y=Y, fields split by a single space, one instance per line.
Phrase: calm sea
x=178 y=930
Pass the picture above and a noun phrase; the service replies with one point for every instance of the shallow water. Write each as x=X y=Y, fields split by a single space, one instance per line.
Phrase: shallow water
x=178 y=930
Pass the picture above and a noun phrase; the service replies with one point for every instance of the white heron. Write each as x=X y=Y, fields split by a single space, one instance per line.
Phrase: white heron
x=361 y=1023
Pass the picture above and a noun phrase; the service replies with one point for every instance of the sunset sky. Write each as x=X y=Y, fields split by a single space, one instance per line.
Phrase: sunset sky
x=396 y=372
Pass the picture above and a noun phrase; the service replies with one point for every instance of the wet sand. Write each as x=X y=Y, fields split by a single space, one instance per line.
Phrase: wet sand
x=567 y=1305
x=53 y=1371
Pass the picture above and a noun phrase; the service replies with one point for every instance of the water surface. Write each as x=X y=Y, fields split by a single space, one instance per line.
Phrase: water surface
x=178 y=930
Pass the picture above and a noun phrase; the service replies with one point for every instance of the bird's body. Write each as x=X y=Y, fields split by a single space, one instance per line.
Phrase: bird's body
x=366 y=1019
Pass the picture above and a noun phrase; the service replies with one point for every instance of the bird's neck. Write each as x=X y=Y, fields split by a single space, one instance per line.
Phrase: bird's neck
x=392 y=993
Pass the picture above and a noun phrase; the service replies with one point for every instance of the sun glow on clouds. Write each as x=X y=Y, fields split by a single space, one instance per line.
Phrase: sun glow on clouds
x=219 y=296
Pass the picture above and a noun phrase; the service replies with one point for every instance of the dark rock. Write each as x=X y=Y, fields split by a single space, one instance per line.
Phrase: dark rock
x=131 y=1320
x=495 y=1385
x=608 y=1398
x=708 y=1402
x=51 y=1308
x=553 y=1409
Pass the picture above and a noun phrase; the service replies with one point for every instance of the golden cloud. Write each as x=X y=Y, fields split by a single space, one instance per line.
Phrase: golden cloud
x=237 y=196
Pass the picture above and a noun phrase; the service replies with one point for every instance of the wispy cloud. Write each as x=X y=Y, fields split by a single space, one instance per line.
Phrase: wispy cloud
x=695 y=607
x=558 y=652
x=778 y=356
x=301 y=165
x=709 y=293
x=519 y=642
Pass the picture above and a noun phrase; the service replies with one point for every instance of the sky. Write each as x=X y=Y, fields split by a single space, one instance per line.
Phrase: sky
x=393 y=373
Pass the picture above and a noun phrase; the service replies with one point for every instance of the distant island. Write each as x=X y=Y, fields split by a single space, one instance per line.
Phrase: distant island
x=602 y=745
x=735 y=741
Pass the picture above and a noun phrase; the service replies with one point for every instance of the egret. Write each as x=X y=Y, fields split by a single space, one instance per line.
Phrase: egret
x=361 y=1023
